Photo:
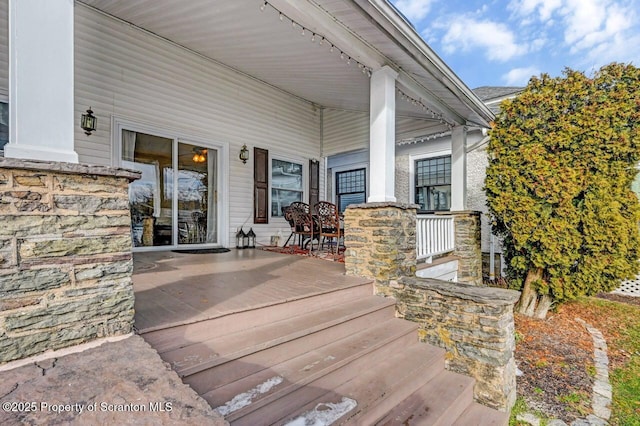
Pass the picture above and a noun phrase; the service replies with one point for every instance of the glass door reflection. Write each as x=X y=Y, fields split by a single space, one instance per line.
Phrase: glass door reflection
x=196 y=194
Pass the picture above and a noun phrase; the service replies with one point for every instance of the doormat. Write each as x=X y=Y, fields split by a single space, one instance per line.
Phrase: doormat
x=203 y=251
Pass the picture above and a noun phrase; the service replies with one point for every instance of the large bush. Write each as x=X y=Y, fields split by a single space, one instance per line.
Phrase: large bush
x=563 y=155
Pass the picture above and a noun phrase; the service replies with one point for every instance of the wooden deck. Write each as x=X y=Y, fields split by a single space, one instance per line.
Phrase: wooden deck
x=176 y=288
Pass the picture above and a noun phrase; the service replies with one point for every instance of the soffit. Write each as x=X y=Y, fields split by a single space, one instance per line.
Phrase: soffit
x=256 y=42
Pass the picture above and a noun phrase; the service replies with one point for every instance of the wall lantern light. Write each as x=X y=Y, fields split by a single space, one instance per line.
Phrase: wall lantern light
x=244 y=154
x=240 y=238
x=88 y=122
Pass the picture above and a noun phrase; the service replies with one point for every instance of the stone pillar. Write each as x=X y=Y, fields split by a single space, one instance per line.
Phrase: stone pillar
x=41 y=94
x=65 y=255
x=468 y=246
x=382 y=144
x=459 y=168
x=380 y=240
x=474 y=325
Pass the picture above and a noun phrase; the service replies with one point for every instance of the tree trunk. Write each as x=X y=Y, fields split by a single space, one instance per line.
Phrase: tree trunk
x=531 y=303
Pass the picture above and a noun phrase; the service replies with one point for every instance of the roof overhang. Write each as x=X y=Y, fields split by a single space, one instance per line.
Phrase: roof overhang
x=274 y=42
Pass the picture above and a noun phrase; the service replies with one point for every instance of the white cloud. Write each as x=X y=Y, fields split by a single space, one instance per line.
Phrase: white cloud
x=519 y=76
x=494 y=38
x=592 y=32
x=525 y=8
x=414 y=10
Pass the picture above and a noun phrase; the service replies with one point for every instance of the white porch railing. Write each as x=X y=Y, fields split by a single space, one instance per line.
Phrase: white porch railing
x=434 y=235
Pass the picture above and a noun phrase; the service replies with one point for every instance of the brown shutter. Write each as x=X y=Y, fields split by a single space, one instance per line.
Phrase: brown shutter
x=314 y=182
x=260 y=185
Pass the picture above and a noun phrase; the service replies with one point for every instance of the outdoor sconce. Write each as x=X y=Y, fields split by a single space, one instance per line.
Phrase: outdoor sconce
x=88 y=122
x=244 y=154
x=251 y=237
x=240 y=237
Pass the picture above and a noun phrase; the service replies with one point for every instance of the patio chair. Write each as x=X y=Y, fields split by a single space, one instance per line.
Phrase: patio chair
x=329 y=221
x=305 y=226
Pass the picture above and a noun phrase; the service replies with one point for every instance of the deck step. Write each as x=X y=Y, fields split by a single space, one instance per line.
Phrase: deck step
x=439 y=402
x=167 y=339
x=210 y=353
x=341 y=356
x=480 y=415
x=341 y=359
x=367 y=381
x=210 y=379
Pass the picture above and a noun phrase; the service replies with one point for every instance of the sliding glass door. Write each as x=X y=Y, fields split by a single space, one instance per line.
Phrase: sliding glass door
x=175 y=201
x=196 y=194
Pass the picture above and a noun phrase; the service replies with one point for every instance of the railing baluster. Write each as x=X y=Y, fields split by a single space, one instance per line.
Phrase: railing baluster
x=434 y=235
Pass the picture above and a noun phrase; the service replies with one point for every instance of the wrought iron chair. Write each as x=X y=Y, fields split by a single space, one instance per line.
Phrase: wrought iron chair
x=329 y=220
x=305 y=226
x=288 y=216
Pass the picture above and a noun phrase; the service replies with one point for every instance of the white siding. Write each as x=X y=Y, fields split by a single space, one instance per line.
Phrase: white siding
x=344 y=131
x=125 y=72
x=4 y=50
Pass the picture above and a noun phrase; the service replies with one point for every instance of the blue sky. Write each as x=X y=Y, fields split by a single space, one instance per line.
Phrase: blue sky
x=504 y=42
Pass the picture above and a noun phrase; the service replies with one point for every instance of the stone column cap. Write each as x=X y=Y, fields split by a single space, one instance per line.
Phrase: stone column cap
x=68 y=168
x=383 y=204
x=484 y=295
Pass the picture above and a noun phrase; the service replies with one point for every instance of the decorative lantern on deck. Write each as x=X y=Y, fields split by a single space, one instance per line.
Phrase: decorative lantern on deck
x=251 y=236
x=240 y=239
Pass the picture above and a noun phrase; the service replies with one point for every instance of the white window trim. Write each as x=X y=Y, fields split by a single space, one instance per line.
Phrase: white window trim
x=346 y=168
x=304 y=162
x=222 y=177
x=412 y=168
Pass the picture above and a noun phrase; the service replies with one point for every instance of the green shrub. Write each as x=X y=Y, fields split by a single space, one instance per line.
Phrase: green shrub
x=563 y=155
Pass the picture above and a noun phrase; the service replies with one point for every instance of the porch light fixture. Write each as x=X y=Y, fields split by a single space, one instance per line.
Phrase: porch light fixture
x=244 y=154
x=240 y=237
x=88 y=122
x=251 y=239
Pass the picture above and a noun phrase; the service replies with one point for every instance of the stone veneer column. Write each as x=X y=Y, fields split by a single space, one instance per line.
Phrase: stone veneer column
x=380 y=240
x=473 y=324
x=468 y=246
x=65 y=255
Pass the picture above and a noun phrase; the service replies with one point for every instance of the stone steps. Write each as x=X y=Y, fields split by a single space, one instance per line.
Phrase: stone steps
x=343 y=355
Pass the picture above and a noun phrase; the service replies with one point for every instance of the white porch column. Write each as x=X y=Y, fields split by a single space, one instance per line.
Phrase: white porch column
x=382 y=144
x=41 y=99
x=458 y=168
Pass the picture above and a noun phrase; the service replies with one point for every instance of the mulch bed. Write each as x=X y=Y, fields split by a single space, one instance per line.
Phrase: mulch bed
x=556 y=358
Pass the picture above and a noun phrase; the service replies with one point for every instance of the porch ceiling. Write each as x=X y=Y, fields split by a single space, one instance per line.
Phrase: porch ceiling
x=256 y=42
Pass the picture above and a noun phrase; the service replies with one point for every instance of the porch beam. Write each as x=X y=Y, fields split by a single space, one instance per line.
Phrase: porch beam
x=41 y=97
x=459 y=168
x=382 y=122
x=418 y=91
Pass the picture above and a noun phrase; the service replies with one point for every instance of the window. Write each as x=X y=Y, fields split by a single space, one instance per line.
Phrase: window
x=433 y=183
x=351 y=188
x=286 y=185
x=4 y=125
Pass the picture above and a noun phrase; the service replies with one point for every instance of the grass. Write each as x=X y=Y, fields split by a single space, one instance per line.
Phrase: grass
x=620 y=324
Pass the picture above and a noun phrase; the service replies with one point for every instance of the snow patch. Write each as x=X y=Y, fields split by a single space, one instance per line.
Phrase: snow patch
x=324 y=413
x=245 y=398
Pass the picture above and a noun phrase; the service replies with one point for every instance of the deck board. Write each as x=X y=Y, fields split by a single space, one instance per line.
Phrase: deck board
x=178 y=288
